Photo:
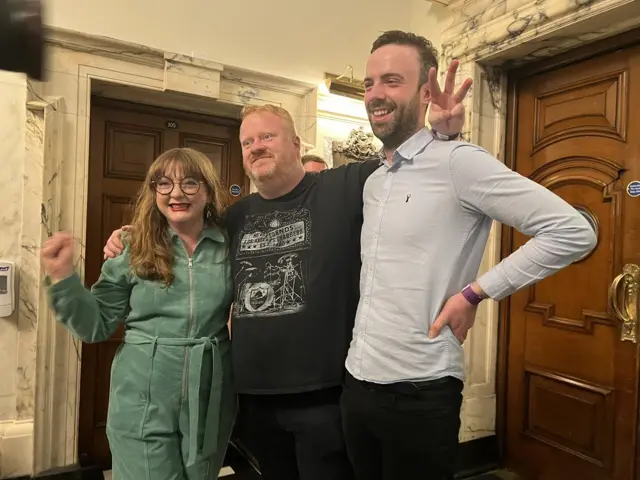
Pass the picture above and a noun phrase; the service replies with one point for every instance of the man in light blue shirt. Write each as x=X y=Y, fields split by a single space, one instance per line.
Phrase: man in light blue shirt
x=427 y=215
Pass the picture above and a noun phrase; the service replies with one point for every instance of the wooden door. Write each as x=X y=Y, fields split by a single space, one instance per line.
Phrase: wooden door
x=125 y=139
x=571 y=396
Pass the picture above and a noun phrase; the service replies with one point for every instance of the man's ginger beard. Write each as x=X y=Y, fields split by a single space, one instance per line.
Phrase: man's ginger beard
x=277 y=174
x=264 y=175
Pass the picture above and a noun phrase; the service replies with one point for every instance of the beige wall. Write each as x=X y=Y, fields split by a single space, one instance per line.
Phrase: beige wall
x=295 y=39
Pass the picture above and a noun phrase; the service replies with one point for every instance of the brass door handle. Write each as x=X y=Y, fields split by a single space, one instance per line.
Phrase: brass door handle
x=627 y=313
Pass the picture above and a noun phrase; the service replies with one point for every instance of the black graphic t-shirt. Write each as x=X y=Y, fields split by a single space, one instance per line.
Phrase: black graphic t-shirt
x=296 y=267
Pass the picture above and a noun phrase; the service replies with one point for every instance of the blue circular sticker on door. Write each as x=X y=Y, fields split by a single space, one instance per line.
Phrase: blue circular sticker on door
x=633 y=189
x=235 y=190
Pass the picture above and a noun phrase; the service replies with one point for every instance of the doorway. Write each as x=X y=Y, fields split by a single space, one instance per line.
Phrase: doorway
x=568 y=345
x=125 y=138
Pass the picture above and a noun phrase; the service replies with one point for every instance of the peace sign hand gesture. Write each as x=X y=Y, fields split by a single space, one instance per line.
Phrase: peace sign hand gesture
x=446 y=114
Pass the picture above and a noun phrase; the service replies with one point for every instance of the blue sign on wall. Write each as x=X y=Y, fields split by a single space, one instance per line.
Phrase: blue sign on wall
x=235 y=190
x=633 y=189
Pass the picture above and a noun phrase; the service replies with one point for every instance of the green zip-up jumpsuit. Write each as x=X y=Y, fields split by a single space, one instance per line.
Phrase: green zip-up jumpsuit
x=171 y=401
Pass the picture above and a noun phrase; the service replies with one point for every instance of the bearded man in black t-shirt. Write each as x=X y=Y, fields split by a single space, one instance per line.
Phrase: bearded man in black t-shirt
x=295 y=255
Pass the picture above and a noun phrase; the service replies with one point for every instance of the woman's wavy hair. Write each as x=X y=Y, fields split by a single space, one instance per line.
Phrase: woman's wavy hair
x=150 y=254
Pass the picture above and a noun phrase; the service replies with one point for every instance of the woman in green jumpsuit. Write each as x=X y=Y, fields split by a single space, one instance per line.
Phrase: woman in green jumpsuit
x=171 y=402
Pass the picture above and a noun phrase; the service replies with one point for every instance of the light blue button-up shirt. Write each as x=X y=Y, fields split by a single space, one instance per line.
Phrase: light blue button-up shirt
x=427 y=218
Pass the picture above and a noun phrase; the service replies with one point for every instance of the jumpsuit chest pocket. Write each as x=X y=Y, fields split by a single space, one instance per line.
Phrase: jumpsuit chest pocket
x=131 y=375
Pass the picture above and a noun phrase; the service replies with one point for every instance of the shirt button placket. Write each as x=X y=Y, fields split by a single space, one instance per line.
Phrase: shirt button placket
x=361 y=340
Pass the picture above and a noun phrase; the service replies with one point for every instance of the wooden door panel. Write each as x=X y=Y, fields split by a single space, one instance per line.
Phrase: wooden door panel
x=215 y=149
x=569 y=415
x=125 y=140
x=590 y=106
x=571 y=393
x=129 y=148
x=218 y=145
x=117 y=211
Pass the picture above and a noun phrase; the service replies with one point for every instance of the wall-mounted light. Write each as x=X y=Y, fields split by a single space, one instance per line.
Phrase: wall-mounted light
x=345 y=84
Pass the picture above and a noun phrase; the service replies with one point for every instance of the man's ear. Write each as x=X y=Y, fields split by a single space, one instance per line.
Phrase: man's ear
x=425 y=94
x=297 y=143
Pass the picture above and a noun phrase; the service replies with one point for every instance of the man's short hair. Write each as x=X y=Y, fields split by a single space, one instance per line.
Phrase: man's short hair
x=313 y=158
x=428 y=54
x=269 y=108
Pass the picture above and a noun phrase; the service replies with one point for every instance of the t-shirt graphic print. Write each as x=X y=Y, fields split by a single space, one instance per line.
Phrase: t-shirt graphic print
x=273 y=260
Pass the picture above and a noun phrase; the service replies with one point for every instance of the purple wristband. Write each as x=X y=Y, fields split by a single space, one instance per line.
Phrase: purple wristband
x=472 y=297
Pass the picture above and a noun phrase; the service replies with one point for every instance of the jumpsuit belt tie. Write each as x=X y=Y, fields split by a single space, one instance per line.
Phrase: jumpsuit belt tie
x=199 y=445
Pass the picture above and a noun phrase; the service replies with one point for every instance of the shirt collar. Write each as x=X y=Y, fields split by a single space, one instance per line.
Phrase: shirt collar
x=212 y=232
x=409 y=149
x=415 y=144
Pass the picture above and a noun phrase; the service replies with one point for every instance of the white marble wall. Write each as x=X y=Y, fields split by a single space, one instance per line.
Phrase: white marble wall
x=30 y=276
x=17 y=332
x=12 y=134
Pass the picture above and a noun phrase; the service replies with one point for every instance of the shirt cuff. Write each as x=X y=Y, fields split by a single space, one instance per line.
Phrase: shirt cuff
x=493 y=284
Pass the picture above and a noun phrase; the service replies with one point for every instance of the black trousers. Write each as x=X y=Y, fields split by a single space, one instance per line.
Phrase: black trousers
x=296 y=436
x=402 y=431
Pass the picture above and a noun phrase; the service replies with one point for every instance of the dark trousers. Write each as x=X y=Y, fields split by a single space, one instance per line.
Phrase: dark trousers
x=296 y=436
x=403 y=430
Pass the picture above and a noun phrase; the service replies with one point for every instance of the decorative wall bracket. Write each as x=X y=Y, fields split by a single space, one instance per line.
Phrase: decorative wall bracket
x=359 y=146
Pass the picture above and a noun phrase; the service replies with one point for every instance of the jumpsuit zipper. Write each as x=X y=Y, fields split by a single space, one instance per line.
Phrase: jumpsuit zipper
x=186 y=358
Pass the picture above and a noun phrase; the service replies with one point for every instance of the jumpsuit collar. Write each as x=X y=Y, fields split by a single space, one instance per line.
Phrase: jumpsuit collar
x=211 y=232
